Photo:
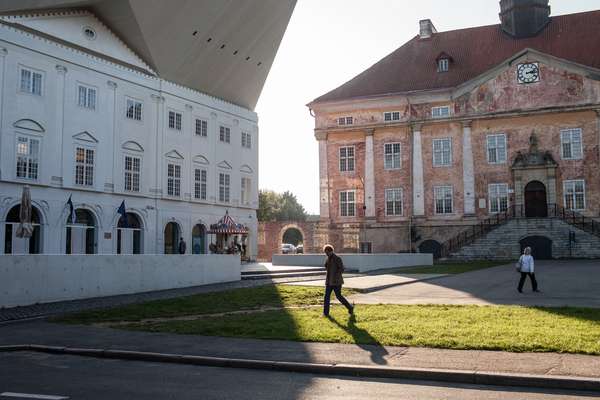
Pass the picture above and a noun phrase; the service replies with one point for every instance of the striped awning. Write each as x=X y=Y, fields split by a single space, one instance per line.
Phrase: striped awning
x=227 y=225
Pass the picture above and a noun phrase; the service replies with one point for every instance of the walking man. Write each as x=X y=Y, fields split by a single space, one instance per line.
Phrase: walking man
x=182 y=246
x=334 y=280
x=526 y=264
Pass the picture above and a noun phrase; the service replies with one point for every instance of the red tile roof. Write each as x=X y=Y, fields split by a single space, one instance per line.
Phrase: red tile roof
x=413 y=67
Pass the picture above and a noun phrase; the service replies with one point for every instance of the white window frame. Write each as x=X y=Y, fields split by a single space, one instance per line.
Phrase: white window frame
x=31 y=160
x=573 y=194
x=496 y=193
x=500 y=158
x=174 y=180
x=224 y=134
x=576 y=153
x=391 y=116
x=394 y=161
x=245 y=190
x=445 y=189
x=134 y=115
x=443 y=65
x=200 y=183
x=129 y=175
x=30 y=87
x=343 y=121
x=85 y=166
x=175 y=120
x=442 y=162
x=246 y=140
x=201 y=129
x=394 y=196
x=344 y=166
x=347 y=211
x=438 y=112
x=87 y=104
x=224 y=181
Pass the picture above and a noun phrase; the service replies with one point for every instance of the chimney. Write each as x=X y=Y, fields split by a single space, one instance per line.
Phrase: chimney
x=524 y=18
x=426 y=29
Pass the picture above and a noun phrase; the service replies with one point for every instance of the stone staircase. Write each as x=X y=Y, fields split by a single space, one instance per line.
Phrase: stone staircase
x=503 y=241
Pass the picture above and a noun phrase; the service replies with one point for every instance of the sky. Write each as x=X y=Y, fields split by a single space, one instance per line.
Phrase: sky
x=327 y=43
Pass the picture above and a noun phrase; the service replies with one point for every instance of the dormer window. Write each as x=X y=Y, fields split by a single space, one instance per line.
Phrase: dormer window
x=443 y=62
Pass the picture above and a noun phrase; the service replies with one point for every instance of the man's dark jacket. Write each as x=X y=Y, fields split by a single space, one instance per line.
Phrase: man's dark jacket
x=182 y=247
x=335 y=268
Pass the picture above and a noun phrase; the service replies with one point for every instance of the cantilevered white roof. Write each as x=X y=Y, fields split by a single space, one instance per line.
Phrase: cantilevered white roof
x=224 y=48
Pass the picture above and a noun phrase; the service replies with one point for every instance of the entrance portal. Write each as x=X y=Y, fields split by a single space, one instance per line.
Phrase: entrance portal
x=541 y=247
x=536 y=205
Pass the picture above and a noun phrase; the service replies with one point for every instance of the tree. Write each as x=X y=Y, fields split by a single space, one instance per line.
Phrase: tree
x=279 y=207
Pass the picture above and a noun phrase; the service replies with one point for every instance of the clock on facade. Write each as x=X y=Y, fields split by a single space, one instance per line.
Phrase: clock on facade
x=528 y=73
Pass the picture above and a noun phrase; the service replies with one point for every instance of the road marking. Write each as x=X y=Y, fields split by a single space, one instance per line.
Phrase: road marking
x=32 y=396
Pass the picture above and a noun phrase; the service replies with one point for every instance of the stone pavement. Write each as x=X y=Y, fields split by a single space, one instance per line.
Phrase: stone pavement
x=372 y=283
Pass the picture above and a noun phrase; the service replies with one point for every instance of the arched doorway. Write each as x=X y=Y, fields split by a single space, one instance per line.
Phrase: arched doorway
x=17 y=245
x=536 y=205
x=129 y=234
x=293 y=236
x=541 y=247
x=172 y=235
x=431 y=247
x=199 y=239
x=81 y=234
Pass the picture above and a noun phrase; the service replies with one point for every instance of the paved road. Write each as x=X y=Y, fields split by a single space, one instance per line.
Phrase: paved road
x=91 y=379
x=563 y=283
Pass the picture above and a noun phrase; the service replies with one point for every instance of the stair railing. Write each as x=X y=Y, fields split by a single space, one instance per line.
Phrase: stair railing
x=575 y=219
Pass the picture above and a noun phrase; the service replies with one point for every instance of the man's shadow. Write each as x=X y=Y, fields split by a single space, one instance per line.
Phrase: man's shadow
x=378 y=352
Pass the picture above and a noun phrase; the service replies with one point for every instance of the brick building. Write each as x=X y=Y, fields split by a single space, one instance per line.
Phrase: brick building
x=456 y=127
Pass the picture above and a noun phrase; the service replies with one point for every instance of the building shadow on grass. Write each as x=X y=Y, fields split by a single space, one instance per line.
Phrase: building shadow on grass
x=364 y=340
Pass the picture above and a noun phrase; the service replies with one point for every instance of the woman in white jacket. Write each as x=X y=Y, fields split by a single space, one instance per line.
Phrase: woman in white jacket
x=527 y=268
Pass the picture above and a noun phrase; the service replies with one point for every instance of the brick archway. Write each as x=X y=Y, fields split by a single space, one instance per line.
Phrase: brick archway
x=270 y=237
x=291 y=226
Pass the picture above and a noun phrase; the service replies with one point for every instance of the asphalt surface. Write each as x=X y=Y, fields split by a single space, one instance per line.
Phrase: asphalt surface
x=86 y=378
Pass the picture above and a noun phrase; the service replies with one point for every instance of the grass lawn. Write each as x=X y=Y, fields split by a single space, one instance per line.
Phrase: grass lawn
x=451 y=268
x=507 y=328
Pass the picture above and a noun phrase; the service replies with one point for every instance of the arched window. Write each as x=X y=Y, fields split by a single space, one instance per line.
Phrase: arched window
x=172 y=235
x=17 y=245
x=81 y=235
x=199 y=239
x=129 y=235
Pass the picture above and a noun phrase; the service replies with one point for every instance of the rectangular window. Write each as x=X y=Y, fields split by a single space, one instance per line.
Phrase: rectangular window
x=174 y=180
x=200 y=178
x=27 y=158
x=31 y=82
x=443 y=199
x=392 y=156
x=393 y=201
x=84 y=166
x=175 y=120
x=571 y=144
x=496 y=149
x=574 y=193
x=442 y=152
x=391 y=116
x=440 y=112
x=134 y=110
x=498 y=195
x=86 y=97
x=246 y=182
x=347 y=159
x=224 y=181
x=345 y=121
x=201 y=127
x=132 y=173
x=246 y=140
x=348 y=203
x=225 y=134
x=443 y=65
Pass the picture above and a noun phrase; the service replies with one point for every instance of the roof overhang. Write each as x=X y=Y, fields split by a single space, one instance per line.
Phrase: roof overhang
x=220 y=47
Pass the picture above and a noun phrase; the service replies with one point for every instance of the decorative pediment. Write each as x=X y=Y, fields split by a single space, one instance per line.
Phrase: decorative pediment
x=534 y=157
x=85 y=137
x=246 y=168
x=224 y=165
x=201 y=160
x=132 y=146
x=444 y=56
x=174 y=154
x=29 y=125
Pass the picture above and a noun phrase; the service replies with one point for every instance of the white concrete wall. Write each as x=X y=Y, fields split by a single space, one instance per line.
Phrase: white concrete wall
x=26 y=280
x=358 y=262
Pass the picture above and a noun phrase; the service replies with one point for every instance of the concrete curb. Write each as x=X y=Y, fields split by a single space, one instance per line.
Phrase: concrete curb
x=367 y=371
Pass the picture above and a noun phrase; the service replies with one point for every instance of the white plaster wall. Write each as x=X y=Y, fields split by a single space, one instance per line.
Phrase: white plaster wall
x=45 y=278
x=358 y=262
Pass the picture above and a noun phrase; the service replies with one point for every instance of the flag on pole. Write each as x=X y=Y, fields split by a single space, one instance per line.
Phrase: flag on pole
x=123 y=213
x=71 y=210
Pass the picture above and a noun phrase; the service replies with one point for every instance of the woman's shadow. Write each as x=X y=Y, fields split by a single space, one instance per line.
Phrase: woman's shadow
x=364 y=340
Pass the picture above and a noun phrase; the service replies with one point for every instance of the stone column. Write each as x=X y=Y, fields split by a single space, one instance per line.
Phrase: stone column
x=323 y=175
x=113 y=138
x=468 y=170
x=369 y=184
x=65 y=170
x=417 y=167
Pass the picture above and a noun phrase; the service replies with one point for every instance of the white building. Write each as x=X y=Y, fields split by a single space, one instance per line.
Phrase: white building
x=82 y=115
